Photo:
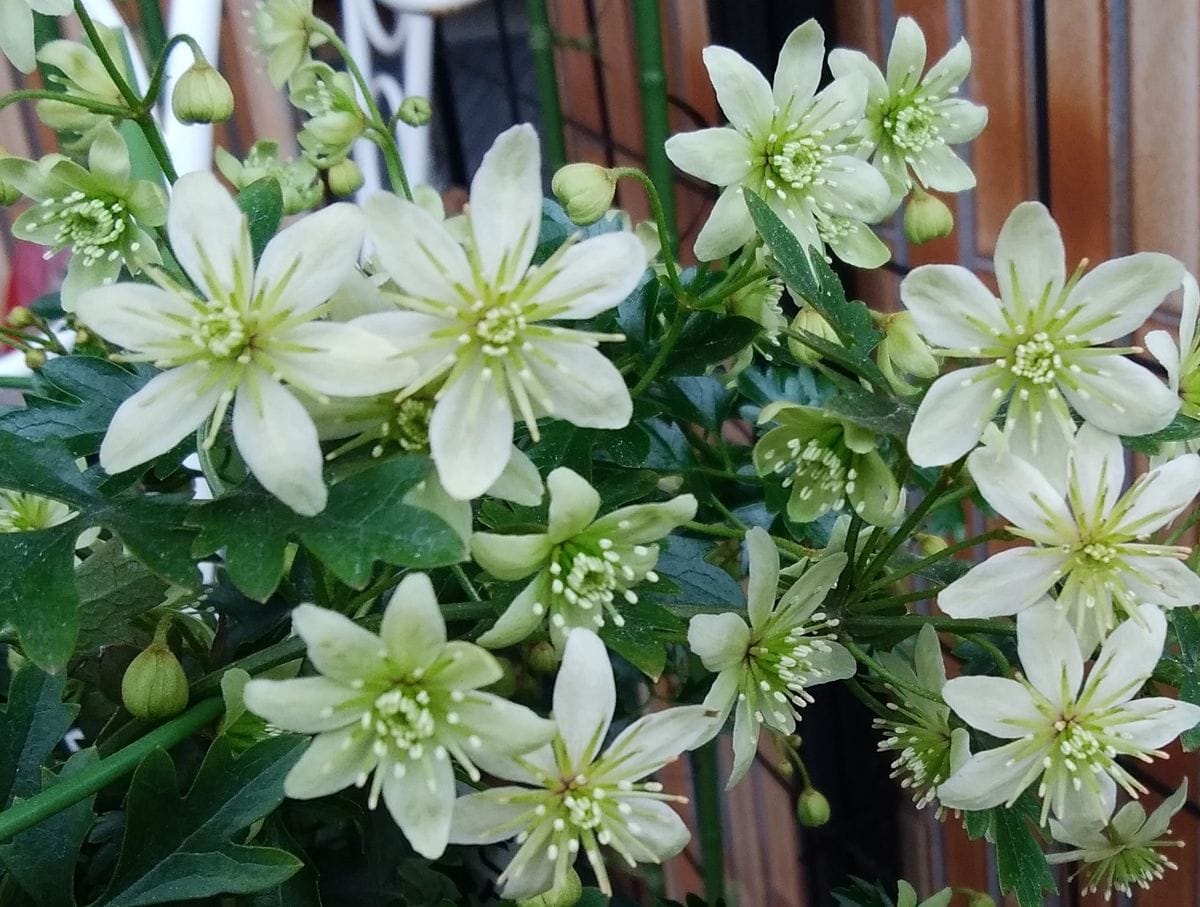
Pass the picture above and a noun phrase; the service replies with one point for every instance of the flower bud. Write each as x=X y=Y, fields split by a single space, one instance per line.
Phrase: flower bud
x=35 y=359
x=415 y=111
x=903 y=352
x=20 y=317
x=926 y=217
x=812 y=809
x=565 y=893
x=931 y=544
x=810 y=320
x=541 y=658
x=82 y=337
x=154 y=685
x=345 y=178
x=202 y=95
x=980 y=899
x=585 y=190
x=9 y=194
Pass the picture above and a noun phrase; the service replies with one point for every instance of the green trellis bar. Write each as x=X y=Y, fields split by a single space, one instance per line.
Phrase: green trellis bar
x=541 y=43
x=652 y=79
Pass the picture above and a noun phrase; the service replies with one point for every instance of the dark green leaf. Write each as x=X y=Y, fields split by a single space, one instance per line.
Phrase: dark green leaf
x=365 y=521
x=1186 y=627
x=30 y=727
x=702 y=400
x=300 y=890
x=177 y=848
x=687 y=578
x=1020 y=862
x=262 y=202
x=643 y=639
x=883 y=415
x=709 y=338
x=114 y=588
x=1182 y=428
x=37 y=591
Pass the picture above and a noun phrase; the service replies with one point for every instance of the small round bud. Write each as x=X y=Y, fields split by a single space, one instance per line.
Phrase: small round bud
x=82 y=337
x=931 y=544
x=345 y=178
x=980 y=899
x=809 y=320
x=154 y=685
x=565 y=893
x=202 y=95
x=585 y=190
x=20 y=317
x=926 y=217
x=542 y=658
x=9 y=194
x=415 y=111
x=35 y=359
x=812 y=809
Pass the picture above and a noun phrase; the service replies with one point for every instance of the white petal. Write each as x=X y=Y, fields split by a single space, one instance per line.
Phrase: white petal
x=1097 y=469
x=843 y=62
x=1127 y=658
x=413 y=628
x=506 y=206
x=136 y=316
x=505 y=726
x=640 y=524
x=660 y=830
x=742 y=91
x=745 y=741
x=1030 y=248
x=305 y=705
x=519 y=483
x=938 y=167
x=951 y=306
x=305 y=264
x=337 y=646
x=209 y=236
x=1162 y=581
x=1022 y=495
x=1161 y=495
x=164 y=412
x=717 y=155
x=953 y=414
x=994 y=705
x=1115 y=298
x=988 y=778
x=342 y=360
x=1163 y=348
x=959 y=120
x=798 y=71
x=520 y=618
x=276 y=437
x=574 y=503
x=1158 y=721
x=798 y=603
x=592 y=277
x=720 y=641
x=837 y=107
x=416 y=251
x=510 y=557
x=656 y=739
x=1189 y=313
x=16 y=34
x=429 y=340
x=422 y=802
x=764 y=575
x=584 y=697
x=465 y=666
x=949 y=71
x=1123 y=398
x=582 y=385
x=489 y=816
x=728 y=228
x=470 y=434
x=1006 y=583
x=861 y=192
x=906 y=58
x=1049 y=653
x=332 y=762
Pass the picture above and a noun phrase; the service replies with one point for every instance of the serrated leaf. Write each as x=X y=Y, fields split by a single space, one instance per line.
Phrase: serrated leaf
x=644 y=637
x=114 y=589
x=1185 y=626
x=30 y=727
x=689 y=579
x=882 y=415
x=365 y=521
x=708 y=338
x=262 y=203
x=1182 y=428
x=700 y=399
x=183 y=847
x=1020 y=862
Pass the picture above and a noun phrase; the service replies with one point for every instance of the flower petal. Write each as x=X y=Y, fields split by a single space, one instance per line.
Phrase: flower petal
x=337 y=646
x=1163 y=348
x=1120 y=396
x=464 y=666
x=906 y=58
x=718 y=640
x=136 y=316
x=1161 y=495
x=951 y=306
x=656 y=739
x=1127 y=658
x=505 y=727
x=638 y=524
x=1006 y=583
x=490 y=816
x=763 y=587
x=592 y=277
x=660 y=831
x=413 y=628
x=1049 y=652
x=1115 y=298
x=510 y=557
x=304 y=705
x=1029 y=251
x=276 y=437
x=1162 y=581
x=1158 y=720
x=718 y=155
x=953 y=414
x=506 y=206
x=574 y=503
x=798 y=71
x=582 y=386
x=521 y=617
x=938 y=167
x=584 y=697
x=949 y=71
x=306 y=263
x=1097 y=471
x=209 y=236
x=745 y=740
x=989 y=778
x=416 y=251
x=742 y=91
x=422 y=802
x=959 y=120
x=342 y=360
x=520 y=482
x=470 y=433
x=332 y=762
x=728 y=228
x=994 y=705
x=1022 y=495
x=16 y=34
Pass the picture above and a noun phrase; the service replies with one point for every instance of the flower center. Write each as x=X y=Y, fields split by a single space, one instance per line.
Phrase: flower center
x=1136 y=865
x=819 y=470
x=409 y=427
x=402 y=721
x=912 y=126
x=22 y=512
x=922 y=755
x=797 y=161
x=220 y=330
x=1099 y=554
x=1036 y=360
x=780 y=665
x=584 y=809
x=499 y=328
x=90 y=226
x=588 y=577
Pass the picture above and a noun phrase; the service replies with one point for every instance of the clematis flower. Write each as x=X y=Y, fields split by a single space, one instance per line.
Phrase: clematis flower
x=1041 y=342
x=1066 y=730
x=1126 y=851
x=790 y=144
x=1090 y=538
x=78 y=72
x=238 y=338
x=927 y=749
x=404 y=705
x=583 y=564
x=335 y=120
x=476 y=319
x=570 y=796
x=16 y=28
x=99 y=212
x=285 y=32
x=911 y=121
x=1182 y=359
x=826 y=462
x=764 y=669
x=299 y=181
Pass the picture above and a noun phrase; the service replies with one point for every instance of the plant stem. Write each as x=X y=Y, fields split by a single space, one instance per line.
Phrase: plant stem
x=901 y=535
x=863 y=695
x=541 y=45
x=160 y=68
x=467 y=586
x=917 y=566
x=664 y=226
x=37 y=94
x=914 y=622
x=664 y=350
x=707 y=529
x=707 y=789
x=994 y=652
x=153 y=30
x=39 y=807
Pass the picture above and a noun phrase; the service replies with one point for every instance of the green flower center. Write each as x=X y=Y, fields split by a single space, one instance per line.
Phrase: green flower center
x=1099 y=554
x=91 y=227
x=22 y=512
x=1036 y=360
x=912 y=125
x=587 y=576
x=220 y=330
x=409 y=427
x=403 y=722
x=499 y=328
x=781 y=665
x=922 y=754
x=799 y=162
x=819 y=470
x=1130 y=866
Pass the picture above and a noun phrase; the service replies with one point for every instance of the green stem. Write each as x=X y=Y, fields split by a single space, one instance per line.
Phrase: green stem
x=943 y=484
x=153 y=30
x=39 y=807
x=652 y=79
x=730 y=516
x=467 y=586
x=664 y=350
x=36 y=94
x=879 y=602
x=706 y=529
x=541 y=45
x=913 y=622
x=706 y=786
x=863 y=695
x=994 y=652
x=663 y=224
x=160 y=68
x=15 y=382
x=917 y=566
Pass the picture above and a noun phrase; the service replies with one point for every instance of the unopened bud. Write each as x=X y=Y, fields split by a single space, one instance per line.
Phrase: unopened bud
x=585 y=190
x=565 y=893
x=154 y=685
x=980 y=899
x=931 y=544
x=542 y=658
x=345 y=178
x=20 y=317
x=35 y=359
x=903 y=353
x=926 y=217
x=415 y=111
x=9 y=194
x=811 y=321
x=812 y=809
x=82 y=337
x=202 y=95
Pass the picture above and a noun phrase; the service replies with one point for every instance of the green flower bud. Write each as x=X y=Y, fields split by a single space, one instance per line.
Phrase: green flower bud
x=585 y=190
x=903 y=352
x=9 y=194
x=20 y=317
x=810 y=320
x=415 y=111
x=202 y=95
x=980 y=899
x=345 y=178
x=82 y=337
x=541 y=658
x=154 y=685
x=926 y=217
x=931 y=544
x=565 y=893
x=812 y=809
x=34 y=359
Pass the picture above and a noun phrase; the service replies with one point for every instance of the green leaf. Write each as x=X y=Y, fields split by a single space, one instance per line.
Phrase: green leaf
x=1186 y=627
x=882 y=415
x=178 y=848
x=644 y=637
x=42 y=858
x=114 y=589
x=700 y=399
x=366 y=520
x=1182 y=428
x=708 y=338
x=37 y=591
x=687 y=578
x=300 y=890
x=1020 y=862
x=30 y=727
x=262 y=202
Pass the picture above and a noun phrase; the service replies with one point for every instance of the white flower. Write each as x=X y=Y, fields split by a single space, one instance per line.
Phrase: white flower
x=1041 y=342
x=764 y=669
x=405 y=704
x=16 y=28
x=911 y=121
x=789 y=145
x=576 y=798
x=1125 y=851
x=476 y=318
x=245 y=332
x=584 y=565
x=1066 y=730
x=1182 y=359
x=1090 y=538
x=286 y=32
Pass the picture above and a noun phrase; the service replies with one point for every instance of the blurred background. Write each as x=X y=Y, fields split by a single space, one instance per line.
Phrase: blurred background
x=1094 y=109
